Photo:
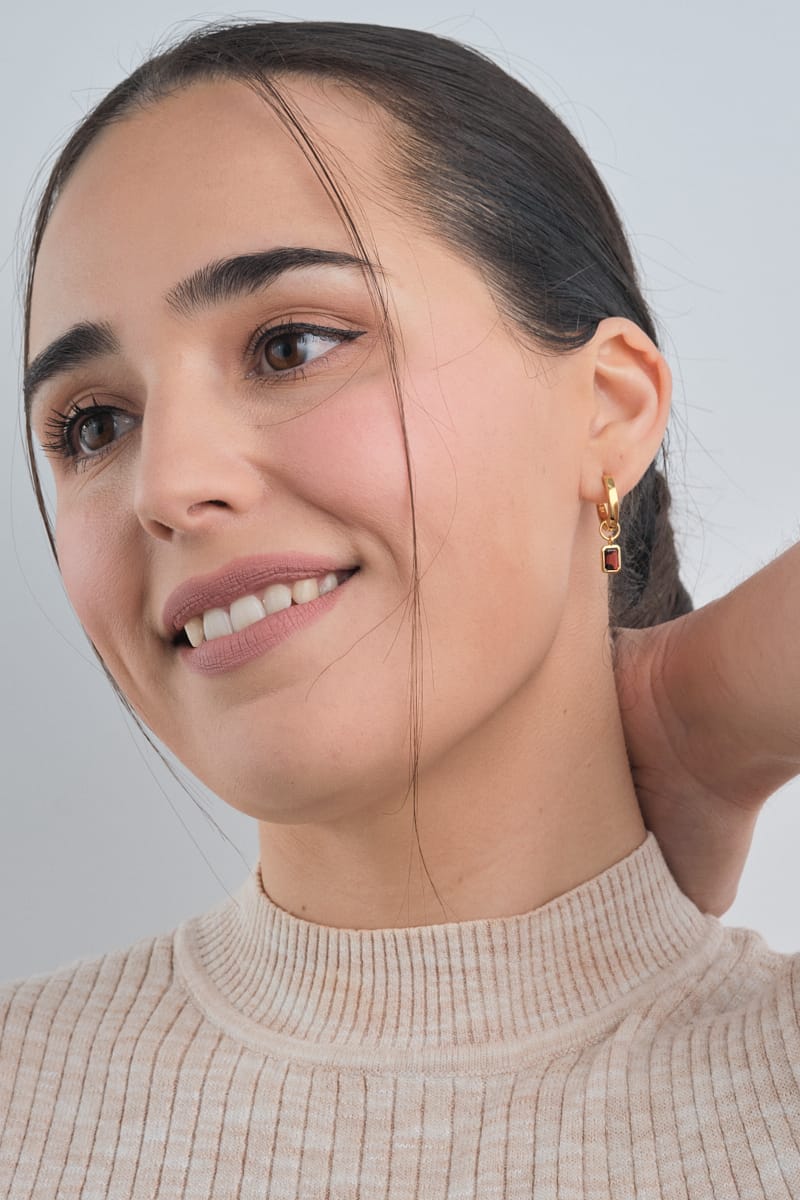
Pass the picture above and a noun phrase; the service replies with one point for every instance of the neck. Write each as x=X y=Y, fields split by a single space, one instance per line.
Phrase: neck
x=536 y=801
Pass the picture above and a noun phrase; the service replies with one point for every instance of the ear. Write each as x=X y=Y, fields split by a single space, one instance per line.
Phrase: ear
x=632 y=394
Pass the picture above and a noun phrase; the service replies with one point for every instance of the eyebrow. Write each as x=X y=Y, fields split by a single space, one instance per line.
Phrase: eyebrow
x=214 y=284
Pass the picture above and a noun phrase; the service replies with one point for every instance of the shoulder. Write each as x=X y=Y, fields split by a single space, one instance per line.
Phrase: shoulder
x=762 y=975
x=699 y=1079
x=70 y=1042
x=744 y=976
x=115 y=1008
x=88 y=993
x=769 y=997
x=733 y=1016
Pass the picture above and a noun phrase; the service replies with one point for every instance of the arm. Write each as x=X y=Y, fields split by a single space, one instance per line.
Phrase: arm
x=732 y=677
x=710 y=705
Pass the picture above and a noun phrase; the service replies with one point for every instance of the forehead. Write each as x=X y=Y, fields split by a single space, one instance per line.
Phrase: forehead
x=207 y=172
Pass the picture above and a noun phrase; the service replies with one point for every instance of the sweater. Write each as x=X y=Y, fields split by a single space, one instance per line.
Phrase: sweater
x=615 y=1042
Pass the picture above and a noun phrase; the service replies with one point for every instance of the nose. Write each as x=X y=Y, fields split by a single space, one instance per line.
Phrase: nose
x=196 y=466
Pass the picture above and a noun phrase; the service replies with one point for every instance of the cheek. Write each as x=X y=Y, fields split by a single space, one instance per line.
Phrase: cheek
x=347 y=458
x=96 y=566
x=497 y=505
x=499 y=471
x=104 y=576
x=78 y=540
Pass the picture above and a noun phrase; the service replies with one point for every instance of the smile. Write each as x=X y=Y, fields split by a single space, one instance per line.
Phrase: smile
x=248 y=610
x=264 y=622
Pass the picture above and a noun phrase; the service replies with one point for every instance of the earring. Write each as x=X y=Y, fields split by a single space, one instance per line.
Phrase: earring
x=610 y=555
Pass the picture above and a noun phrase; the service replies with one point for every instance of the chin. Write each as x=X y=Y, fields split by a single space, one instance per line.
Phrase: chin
x=309 y=790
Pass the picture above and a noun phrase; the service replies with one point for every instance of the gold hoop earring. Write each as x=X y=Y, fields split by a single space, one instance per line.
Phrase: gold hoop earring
x=611 y=554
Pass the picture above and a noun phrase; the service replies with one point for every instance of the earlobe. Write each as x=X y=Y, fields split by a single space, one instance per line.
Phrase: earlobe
x=632 y=387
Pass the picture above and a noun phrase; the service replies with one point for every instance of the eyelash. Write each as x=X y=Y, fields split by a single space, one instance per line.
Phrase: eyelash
x=62 y=425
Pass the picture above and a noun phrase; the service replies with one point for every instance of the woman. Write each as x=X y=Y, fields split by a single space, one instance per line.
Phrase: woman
x=338 y=354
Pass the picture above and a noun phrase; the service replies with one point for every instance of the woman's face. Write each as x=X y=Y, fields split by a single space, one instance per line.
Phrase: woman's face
x=209 y=435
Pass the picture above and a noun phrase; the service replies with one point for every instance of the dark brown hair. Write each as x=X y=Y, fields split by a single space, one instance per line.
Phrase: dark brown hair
x=486 y=167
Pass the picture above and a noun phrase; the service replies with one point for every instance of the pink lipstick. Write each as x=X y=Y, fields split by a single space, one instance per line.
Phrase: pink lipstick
x=243 y=577
x=234 y=650
x=240 y=577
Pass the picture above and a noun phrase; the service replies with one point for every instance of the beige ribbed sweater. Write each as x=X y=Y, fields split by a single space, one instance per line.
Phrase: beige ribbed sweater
x=614 y=1042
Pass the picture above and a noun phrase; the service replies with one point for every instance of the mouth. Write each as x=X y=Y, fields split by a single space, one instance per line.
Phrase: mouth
x=255 y=608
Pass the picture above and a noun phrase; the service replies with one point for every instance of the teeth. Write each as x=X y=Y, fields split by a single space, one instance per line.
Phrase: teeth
x=277 y=597
x=194 y=630
x=216 y=623
x=305 y=590
x=246 y=612
x=219 y=622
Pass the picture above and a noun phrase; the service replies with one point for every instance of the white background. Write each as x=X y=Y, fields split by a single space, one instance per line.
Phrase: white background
x=691 y=112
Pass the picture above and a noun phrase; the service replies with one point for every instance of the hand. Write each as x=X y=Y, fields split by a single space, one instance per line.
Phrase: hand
x=699 y=789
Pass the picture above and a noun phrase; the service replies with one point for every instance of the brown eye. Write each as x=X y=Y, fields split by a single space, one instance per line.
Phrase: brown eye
x=288 y=350
x=284 y=349
x=84 y=434
x=95 y=431
x=294 y=349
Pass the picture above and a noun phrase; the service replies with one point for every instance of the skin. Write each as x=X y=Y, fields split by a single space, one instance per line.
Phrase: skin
x=525 y=785
x=709 y=708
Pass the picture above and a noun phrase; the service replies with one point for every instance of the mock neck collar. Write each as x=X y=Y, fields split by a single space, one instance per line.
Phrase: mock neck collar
x=468 y=994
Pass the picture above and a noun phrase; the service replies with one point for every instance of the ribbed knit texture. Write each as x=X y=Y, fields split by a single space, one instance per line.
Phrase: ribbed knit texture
x=615 y=1042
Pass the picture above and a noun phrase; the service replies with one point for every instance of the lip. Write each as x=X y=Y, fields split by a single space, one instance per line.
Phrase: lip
x=240 y=577
x=235 y=649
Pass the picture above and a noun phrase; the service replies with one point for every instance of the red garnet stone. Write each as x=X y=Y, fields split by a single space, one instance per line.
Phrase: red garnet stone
x=611 y=558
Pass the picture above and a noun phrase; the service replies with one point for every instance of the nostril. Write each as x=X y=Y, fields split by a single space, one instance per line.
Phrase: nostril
x=202 y=504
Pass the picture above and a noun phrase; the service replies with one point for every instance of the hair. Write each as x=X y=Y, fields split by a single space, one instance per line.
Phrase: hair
x=484 y=165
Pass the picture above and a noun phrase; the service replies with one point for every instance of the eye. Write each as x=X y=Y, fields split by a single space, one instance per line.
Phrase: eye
x=287 y=349
x=95 y=431
x=85 y=432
